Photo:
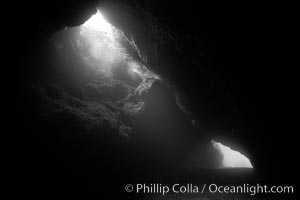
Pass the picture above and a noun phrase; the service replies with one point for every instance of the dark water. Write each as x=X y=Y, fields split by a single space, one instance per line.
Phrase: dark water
x=97 y=187
x=244 y=178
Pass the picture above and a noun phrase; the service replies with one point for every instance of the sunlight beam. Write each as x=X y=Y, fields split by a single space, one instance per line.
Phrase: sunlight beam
x=98 y=23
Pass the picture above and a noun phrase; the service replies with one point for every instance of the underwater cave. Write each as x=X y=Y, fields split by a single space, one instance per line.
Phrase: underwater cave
x=140 y=92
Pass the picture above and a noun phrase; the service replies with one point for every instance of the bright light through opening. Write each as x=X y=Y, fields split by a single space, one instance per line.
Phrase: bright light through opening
x=98 y=23
x=101 y=47
x=99 y=44
x=231 y=158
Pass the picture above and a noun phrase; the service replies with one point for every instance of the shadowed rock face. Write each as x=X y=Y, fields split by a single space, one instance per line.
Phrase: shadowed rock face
x=221 y=60
x=101 y=96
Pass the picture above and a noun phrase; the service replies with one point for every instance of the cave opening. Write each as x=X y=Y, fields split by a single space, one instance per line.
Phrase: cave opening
x=105 y=48
x=231 y=158
x=118 y=76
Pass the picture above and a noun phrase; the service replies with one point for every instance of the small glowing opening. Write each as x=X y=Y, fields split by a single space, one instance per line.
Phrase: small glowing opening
x=231 y=158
